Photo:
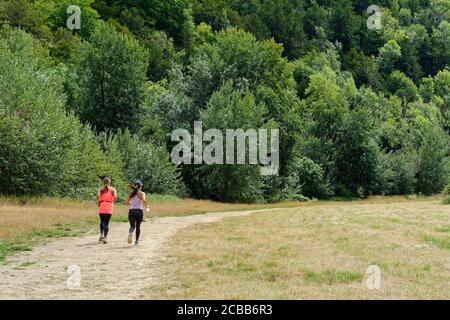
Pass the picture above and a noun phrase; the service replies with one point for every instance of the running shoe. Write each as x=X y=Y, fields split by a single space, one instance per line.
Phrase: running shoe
x=104 y=240
x=130 y=237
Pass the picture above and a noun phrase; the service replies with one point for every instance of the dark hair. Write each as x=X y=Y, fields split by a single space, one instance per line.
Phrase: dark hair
x=106 y=182
x=136 y=188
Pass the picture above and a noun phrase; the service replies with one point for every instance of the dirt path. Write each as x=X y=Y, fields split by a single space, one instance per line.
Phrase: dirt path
x=112 y=271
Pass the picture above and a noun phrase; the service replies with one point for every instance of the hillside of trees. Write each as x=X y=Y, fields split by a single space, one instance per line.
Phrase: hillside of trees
x=360 y=111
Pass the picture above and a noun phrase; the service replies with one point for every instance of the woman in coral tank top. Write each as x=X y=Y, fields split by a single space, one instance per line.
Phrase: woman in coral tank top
x=106 y=198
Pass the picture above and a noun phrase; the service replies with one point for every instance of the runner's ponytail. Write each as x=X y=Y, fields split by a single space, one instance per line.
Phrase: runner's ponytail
x=107 y=183
x=135 y=191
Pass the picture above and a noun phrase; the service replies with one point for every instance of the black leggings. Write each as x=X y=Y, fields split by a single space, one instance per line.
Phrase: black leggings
x=104 y=224
x=135 y=216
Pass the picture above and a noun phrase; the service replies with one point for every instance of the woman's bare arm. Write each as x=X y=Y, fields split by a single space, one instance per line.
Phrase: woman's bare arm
x=114 y=192
x=144 y=199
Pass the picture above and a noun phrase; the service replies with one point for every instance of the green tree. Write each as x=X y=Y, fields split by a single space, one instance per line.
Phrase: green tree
x=308 y=177
x=426 y=89
x=397 y=172
x=389 y=54
x=233 y=109
x=55 y=14
x=442 y=87
x=172 y=16
x=109 y=75
x=403 y=87
x=90 y=164
x=409 y=61
x=44 y=151
x=363 y=69
x=162 y=55
x=24 y=14
x=357 y=153
x=439 y=47
x=64 y=42
x=344 y=25
x=432 y=171
x=284 y=20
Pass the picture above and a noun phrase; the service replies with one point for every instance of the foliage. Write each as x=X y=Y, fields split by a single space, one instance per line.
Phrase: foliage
x=232 y=109
x=43 y=149
x=109 y=75
x=359 y=111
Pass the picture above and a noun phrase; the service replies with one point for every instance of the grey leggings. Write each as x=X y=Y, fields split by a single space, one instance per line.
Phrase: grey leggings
x=135 y=216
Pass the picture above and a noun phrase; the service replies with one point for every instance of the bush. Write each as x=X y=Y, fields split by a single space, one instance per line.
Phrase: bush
x=397 y=173
x=446 y=189
x=308 y=177
x=432 y=171
x=149 y=163
x=154 y=168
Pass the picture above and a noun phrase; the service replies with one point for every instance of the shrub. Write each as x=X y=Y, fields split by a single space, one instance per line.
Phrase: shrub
x=308 y=177
x=397 y=172
x=149 y=163
x=432 y=170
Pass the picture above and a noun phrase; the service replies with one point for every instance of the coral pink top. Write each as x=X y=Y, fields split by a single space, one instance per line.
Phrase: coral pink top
x=106 y=202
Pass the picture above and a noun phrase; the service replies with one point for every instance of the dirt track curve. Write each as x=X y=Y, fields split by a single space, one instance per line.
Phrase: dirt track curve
x=116 y=270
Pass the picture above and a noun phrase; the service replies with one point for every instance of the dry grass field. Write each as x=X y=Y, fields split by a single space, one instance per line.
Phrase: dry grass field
x=319 y=251
x=25 y=223
x=309 y=250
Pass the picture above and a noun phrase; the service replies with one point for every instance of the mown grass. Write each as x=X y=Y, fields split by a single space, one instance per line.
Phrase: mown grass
x=319 y=251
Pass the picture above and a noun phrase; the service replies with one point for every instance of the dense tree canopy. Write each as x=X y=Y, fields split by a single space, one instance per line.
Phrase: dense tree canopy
x=360 y=111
